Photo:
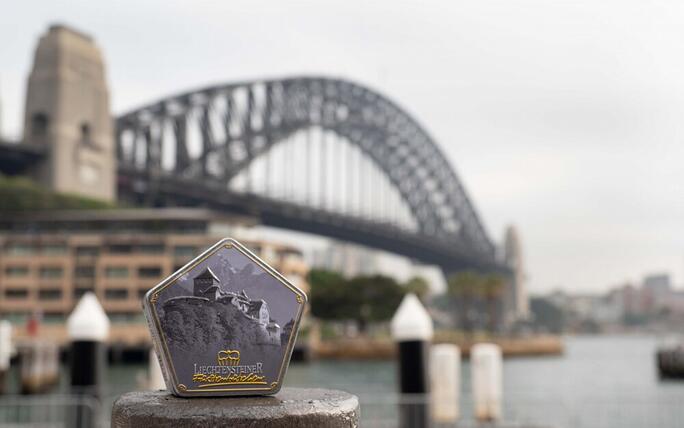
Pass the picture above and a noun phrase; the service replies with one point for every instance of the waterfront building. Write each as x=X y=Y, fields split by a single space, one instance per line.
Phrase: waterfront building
x=347 y=259
x=48 y=260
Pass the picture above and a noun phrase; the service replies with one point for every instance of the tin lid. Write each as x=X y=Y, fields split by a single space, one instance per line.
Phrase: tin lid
x=225 y=324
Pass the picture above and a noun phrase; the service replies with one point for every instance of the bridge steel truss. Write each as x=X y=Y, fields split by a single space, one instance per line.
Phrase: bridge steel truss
x=237 y=123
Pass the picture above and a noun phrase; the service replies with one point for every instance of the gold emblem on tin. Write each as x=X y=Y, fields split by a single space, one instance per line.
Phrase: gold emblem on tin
x=154 y=298
x=228 y=358
x=182 y=387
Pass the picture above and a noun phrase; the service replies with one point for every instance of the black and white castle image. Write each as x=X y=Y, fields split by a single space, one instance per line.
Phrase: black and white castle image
x=214 y=317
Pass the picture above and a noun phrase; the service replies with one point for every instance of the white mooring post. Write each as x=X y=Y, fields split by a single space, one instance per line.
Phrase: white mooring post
x=5 y=352
x=487 y=372
x=156 y=378
x=412 y=329
x=445 y=383
x=88 y=329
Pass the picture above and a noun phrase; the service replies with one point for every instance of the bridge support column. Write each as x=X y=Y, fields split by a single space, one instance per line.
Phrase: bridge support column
x=67 y=110
x=290 y=408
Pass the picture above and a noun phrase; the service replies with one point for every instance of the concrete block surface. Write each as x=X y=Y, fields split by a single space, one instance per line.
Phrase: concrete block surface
x=291 y=408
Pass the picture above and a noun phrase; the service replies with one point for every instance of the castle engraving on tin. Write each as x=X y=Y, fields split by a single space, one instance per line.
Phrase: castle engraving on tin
x=224 y=324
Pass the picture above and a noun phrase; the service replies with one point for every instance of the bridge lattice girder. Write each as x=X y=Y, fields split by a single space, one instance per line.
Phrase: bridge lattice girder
x=239 y=122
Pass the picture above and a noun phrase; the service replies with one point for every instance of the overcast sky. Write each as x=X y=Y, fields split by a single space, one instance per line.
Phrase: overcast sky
x=564 y=118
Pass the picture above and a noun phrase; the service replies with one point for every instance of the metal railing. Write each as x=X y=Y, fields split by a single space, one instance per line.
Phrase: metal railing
x=50 y=411
x=380 y=409
x=395 y=410
x=628 y=410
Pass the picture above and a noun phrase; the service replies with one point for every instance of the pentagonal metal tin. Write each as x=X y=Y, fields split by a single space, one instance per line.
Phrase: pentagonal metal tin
x=224 y=324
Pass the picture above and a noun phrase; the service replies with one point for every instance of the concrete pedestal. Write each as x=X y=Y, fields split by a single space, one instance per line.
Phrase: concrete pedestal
x=291 y=408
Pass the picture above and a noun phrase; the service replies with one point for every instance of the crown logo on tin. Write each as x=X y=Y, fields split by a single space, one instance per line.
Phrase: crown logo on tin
x=224 y=324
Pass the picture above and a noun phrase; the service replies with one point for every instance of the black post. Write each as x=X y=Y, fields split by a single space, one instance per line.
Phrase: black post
x=87 y=366
x=413 y=377
x=412 y=330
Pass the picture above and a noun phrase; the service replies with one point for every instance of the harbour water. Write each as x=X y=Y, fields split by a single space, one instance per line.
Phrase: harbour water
x=600 y=381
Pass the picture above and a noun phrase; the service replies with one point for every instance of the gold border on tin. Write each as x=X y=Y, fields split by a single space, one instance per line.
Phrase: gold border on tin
x=153 y=295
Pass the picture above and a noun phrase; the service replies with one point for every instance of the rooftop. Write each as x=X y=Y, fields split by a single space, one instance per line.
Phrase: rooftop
x=58 y=27
x=147 y=219
x=207 y=274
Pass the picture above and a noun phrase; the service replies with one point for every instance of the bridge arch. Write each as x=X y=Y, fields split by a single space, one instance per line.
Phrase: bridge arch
x=229 y=126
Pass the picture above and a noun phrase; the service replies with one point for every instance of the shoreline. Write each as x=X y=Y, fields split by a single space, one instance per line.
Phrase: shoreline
x=364 y=348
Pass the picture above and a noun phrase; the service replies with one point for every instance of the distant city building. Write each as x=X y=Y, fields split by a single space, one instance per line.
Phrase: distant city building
x=347 y=259
x=607 y=310
x=658 y=289
x=655 y=305
x=632 y=301
x=582 y=306
x=49 y=260
x=675 y=302
x=516 y=301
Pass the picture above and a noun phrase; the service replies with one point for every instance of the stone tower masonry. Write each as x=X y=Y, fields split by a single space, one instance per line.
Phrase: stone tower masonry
x=67 y=110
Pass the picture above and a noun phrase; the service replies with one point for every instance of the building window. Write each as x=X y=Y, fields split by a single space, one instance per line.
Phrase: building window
x=50 y=294
x=184 y=251
x=116 y=272
x=120 y=249
x=17 y=318
x=16 y=271
x=85 y=133
x=149 y=272
x=87 y=251
x=116 y=294
x=151 y=248
x=19 y=249
x=53 y=318
x=54 y=249
x=51 y=272
x=124 y=317
x=16 y=293
x=39 y=124
x=84 y=271
x=80 y=291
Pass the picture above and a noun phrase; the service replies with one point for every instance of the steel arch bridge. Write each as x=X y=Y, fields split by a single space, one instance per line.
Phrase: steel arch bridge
x=401 y=194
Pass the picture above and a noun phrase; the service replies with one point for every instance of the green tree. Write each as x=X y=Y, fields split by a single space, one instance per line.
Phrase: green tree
x=329 y=298
x=547 y=315
x=21 y=194
x=364 y=299
x=377 y=298
x=418 y=286
x=492 y=288
x=464 y=290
